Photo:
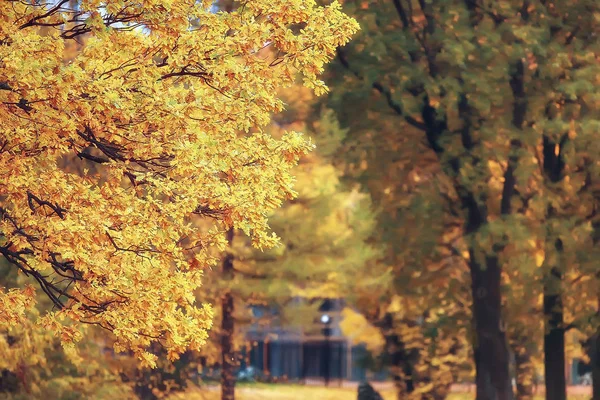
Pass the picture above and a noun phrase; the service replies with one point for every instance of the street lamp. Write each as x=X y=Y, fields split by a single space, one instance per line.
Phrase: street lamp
x=326 y=320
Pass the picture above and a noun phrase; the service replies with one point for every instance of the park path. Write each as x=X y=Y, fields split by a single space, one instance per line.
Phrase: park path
x=462 y=388
x=575 y=390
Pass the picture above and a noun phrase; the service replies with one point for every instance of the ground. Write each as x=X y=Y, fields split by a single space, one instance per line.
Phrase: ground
x=300 y=392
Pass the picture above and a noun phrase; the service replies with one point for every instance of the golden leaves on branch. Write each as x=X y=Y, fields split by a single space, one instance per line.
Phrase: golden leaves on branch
x=166 y=100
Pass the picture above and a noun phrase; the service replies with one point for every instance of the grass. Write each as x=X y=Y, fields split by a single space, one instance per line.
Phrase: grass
x=260 y=391
x=275 y=392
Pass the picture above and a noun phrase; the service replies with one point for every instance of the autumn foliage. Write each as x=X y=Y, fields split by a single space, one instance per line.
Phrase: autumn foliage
x=162 y=105
x=148 y=150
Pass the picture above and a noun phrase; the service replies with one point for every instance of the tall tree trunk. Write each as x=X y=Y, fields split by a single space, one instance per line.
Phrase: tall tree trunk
x=492 y=357
x=596 y=366
x=554 y=338
x=227 y=327
x=595 y=355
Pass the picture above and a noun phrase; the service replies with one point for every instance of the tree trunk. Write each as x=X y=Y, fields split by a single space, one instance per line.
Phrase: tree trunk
x=554 y=336
x=491 y=351
x=227 y=327
x=492 y=355
x=525 y=373
x=9 y=382
x=400 y=367
x=366 y=392
x=595 y=357
x=596 y=366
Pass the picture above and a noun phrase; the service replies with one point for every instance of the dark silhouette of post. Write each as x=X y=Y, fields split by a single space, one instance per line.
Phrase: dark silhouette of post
x=304 y=365
x=326 y=320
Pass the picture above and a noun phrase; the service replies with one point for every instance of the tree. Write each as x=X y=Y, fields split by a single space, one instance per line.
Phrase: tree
x=415 y=320
x=523 y=310
x=421 y=270
x=323 y=235
x=168 y=99
x=34 y=366
x=481 y=84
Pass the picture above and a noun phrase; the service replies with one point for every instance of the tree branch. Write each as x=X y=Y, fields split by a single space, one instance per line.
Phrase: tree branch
x=33 y=21
x=397 y=107
x=402 y=14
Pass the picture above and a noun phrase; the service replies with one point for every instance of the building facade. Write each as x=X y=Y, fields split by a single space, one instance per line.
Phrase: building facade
x=317 y=351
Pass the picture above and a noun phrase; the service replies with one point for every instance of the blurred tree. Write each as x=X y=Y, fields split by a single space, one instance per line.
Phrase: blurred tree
x=323 y=232
x=504 y=98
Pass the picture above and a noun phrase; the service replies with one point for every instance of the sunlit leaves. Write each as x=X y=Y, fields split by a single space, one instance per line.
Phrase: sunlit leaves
x=162 y=106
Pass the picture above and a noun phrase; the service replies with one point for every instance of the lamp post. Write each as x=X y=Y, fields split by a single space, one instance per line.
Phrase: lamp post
x=326 y=320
